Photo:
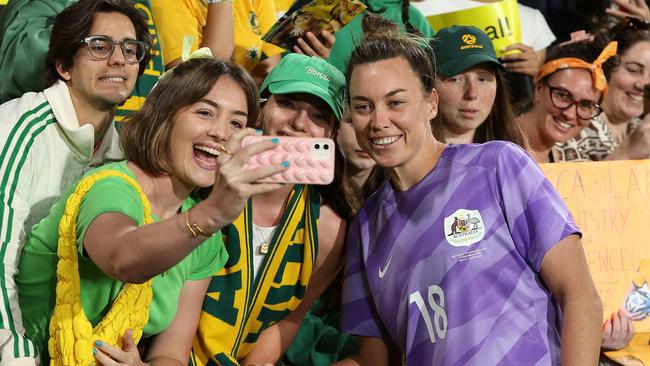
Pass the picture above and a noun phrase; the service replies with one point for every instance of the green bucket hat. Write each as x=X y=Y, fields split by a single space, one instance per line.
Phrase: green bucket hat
x=457 y=48
x=297 y=73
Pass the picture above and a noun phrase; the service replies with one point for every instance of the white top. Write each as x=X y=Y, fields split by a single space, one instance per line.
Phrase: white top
x=44 y=151
x=260 y=235
x=535 y=31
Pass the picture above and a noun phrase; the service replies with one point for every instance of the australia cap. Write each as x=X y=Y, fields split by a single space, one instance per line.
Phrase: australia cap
x=458 y=48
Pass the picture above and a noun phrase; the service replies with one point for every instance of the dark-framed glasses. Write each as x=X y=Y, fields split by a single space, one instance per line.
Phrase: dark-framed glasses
x=102 y=48
x=563 y=99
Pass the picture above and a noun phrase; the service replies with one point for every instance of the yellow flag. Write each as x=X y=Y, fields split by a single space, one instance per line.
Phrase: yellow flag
x=499 y=20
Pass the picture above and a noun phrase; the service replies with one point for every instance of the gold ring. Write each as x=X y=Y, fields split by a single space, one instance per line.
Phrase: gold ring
x=224 y=150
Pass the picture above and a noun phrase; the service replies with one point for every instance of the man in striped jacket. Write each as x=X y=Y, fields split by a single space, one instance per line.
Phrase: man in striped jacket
x=48 y=139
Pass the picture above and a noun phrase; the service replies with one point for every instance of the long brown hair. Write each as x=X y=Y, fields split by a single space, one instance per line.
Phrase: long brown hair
x=500 y=123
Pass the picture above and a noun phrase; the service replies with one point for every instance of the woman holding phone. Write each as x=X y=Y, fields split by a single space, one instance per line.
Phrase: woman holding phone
x=255 y=306
x=176 y=144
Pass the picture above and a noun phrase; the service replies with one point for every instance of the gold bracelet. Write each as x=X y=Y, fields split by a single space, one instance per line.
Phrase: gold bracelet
x=193 y=227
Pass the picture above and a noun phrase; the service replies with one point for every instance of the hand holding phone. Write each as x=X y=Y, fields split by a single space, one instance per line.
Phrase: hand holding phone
x=310 y=160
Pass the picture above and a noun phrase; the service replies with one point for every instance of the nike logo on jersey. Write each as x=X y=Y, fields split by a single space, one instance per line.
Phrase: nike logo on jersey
x=382 y=272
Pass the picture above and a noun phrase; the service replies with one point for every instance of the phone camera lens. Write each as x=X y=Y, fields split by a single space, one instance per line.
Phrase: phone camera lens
x=317 y=146
x=326 y=147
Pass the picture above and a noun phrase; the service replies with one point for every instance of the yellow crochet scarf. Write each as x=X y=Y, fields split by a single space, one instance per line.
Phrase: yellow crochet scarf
x=71 y=334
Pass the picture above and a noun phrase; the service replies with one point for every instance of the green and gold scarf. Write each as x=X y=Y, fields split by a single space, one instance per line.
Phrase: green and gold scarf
x=239 y=306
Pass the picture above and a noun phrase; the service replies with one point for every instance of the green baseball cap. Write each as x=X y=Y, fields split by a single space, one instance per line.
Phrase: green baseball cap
x=457 y=48
x=297 y=73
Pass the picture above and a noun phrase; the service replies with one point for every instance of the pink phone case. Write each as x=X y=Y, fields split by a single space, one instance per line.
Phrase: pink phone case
x=311 y=160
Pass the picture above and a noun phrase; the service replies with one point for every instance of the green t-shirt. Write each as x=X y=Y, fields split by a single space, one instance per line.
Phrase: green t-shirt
x=37 y=277
x=349 y=36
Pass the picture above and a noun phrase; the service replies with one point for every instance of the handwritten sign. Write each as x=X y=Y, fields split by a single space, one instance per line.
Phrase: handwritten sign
x=610 y=202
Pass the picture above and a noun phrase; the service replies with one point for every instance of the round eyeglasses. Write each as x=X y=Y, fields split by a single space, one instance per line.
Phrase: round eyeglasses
x=563 y=99
x=102 y=48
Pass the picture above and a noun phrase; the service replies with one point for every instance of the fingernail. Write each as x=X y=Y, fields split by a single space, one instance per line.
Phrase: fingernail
x=98 y=343
x=259 y=132
x=285 y=164
x=275 y=140
x=94 y=351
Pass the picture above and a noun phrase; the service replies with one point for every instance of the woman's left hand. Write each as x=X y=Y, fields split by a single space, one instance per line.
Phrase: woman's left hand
x=107 y=355
x=525 y=62
x=310 y=45
x=617 y=331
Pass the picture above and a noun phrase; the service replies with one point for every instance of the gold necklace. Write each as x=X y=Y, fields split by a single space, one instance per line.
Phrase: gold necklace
x=262 y=239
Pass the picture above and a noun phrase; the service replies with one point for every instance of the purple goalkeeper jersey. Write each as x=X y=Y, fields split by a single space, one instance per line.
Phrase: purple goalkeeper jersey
x=449 y=269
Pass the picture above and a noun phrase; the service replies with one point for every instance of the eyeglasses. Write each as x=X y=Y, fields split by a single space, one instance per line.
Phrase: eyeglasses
x=563 y=99
x=102 y=48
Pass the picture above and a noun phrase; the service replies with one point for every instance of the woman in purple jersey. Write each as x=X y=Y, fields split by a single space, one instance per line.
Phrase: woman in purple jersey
x=467 y=256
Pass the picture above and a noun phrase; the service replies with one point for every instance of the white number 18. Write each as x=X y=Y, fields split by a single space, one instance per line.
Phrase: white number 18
x=438 y=307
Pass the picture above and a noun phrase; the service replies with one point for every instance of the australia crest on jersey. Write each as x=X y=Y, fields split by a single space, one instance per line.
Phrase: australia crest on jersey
x=464 y=227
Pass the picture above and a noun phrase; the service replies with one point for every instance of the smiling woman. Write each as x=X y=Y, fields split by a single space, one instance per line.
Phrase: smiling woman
x=618 y=133
x=569 y=89
x=176 y=144
x=468 y=255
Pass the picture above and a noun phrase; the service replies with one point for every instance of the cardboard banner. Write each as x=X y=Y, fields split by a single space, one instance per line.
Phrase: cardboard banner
x=499 y=20
x=610 y=202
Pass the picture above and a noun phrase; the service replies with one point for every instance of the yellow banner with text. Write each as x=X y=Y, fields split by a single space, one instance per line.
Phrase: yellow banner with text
x=499 y=20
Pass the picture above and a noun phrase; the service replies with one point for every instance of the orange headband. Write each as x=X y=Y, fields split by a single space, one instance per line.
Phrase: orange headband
x=596 y=68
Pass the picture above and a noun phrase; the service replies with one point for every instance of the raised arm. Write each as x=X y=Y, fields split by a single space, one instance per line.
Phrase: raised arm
x=121 y=249
x=219 y=34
